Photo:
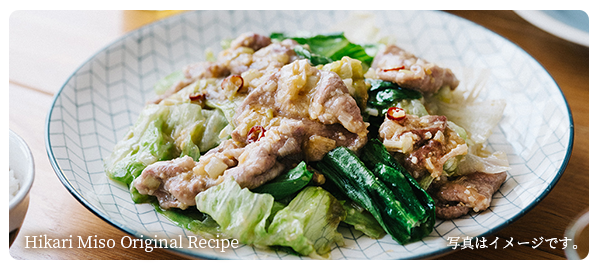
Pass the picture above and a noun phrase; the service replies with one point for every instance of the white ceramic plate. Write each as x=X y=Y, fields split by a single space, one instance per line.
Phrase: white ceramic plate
x=102 y=99
x=571 y=25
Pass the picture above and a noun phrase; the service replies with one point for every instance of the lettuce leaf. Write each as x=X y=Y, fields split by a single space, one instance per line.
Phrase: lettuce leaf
x=227 y=109
x=496 y=162
x=474 y=121
x=351 y=72
x=308 y=224
x=146 y=142
x=163 y=133
x=478 y=118
x=215 y=123
x=241 y=214
x=362 y=220
x=166 y=82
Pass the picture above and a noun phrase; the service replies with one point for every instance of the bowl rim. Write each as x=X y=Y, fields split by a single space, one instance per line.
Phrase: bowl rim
x=27 y=180
x=574 y=229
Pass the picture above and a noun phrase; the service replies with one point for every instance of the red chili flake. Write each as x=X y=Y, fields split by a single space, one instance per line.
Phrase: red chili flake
x=197 y=96
x=395 y=68
x=255 y=133
x=396 y=114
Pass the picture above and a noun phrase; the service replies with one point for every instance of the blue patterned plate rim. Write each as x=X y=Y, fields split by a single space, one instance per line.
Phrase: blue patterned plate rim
x=67 y=183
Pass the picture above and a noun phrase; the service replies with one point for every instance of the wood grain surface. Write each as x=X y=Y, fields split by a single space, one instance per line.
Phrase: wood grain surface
x=47 y=46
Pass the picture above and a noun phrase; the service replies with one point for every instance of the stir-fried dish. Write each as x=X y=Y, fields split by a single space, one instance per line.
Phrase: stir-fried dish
x=278 y=140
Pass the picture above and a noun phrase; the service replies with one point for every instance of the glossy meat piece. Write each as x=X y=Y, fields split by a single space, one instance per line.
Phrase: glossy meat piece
x=176 y=183
x=251 y=40
x=405 y=69
x=305 y=112
x=261 y=160
x=274 y=56
x=423 y=144
x=471 y=192
x=248 y=51
x=299 y=91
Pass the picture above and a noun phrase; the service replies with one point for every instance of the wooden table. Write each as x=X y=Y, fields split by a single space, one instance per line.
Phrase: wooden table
x=47 y=46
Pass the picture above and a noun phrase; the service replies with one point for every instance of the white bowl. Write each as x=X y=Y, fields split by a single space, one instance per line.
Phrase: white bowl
x=578 y=232
x=21 y=163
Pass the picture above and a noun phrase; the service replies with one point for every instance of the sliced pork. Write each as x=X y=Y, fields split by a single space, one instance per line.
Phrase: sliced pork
x=176 y=183
x=301 y=113
x=405 y=69
x=471 y=192
x=302 y=92
x=422 y=144
x=246 y=52
x=251 y=40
